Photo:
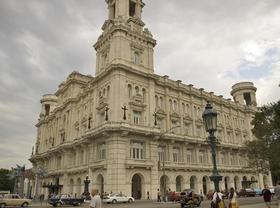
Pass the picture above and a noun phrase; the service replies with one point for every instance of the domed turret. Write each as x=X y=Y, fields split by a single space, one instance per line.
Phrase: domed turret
x=49 y=103
x=244 y=93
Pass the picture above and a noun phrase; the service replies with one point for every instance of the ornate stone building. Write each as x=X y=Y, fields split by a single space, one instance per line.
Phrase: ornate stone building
x=104 y=126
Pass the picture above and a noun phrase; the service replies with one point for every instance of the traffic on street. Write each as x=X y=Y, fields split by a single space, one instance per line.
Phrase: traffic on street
x=246 y=202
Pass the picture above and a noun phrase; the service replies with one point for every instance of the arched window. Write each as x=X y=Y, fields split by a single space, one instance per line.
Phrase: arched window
x=108 y=91
x=129 y=91
x=156 y=98
x=144 y=94
x=136 y=58
x=137 y=90
x=170 y=105
x=161 y=102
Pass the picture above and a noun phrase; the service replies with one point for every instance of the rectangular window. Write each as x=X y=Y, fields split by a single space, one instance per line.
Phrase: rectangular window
x=136 y=117
x=161 y=153
x=202 y=157
x=132 y=8
x=223 y=158
x=176 y=154
x=189 y=156
x=101 y=149
x=137 y=150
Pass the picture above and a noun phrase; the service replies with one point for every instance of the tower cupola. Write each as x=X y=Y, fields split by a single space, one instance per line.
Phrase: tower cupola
x=244 y=93
x=124 y=40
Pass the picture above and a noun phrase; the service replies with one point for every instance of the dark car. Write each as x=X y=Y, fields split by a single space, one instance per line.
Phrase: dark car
x=65 y=199
x=189 y=199
x=246 y=193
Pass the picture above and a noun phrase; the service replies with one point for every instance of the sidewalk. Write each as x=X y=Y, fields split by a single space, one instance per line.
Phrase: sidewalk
x=259 y=205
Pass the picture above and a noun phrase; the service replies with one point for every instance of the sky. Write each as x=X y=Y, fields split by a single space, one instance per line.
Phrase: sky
x=211 y=44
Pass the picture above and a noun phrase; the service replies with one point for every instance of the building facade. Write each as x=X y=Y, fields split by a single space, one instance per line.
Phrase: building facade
x=104 y=126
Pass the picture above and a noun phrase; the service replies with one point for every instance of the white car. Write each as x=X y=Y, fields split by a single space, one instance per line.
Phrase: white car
x=272 y=189
x=115 y=198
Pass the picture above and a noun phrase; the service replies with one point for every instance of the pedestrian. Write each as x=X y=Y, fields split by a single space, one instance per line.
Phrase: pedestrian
x=158 y=196
x=148 y=195
x=267 y=196
x=232 y=199
x=217 y=201
x=95 y=201
x=277 y=193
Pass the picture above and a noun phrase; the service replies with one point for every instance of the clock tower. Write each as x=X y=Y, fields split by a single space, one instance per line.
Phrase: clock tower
x=124 y=41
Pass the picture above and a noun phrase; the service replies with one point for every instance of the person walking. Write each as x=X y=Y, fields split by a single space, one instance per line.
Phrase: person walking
x=95 y=201
x=232 y=199
x=217 y=201
x=158 y=196
x=277 y=193
x=267 y=196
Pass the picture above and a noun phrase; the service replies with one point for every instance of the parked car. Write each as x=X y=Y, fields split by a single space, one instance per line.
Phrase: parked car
x=65 y=199
x=14 y=200
x=115 y=198
x=174 y=196
x=246 y=192
x=258 y=191
x=190 y=199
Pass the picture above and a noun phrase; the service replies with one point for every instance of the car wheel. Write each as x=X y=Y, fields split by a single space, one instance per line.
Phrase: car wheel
x=25 y=204
x=58 y=204
x=114 y=201
x=2 y=205
x=130 y=201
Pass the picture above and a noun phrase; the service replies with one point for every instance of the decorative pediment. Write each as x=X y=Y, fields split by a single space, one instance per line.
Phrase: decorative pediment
x=84 y=120
x=174 y=115
x=137 y=102
x=245 y=132
x=238 y=130
x=106 y=24
x=187 y=118
x=199 y=122
x=229 y=128
x=103 y=102
x=160 y=112
x=136 y=20
x=76 y=124
x=62 y=130
x=219 y=126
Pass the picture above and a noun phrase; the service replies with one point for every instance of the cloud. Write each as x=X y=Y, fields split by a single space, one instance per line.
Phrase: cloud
x=209 y=43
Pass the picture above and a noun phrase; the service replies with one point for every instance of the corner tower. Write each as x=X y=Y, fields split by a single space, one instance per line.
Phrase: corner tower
x=244 y=93
x=124 y=41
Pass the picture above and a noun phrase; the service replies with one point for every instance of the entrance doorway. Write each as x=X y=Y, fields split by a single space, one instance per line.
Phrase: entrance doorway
x=100 y=183
x=136 y=188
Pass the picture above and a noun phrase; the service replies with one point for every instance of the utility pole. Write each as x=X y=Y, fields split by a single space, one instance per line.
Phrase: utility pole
x=163 y=162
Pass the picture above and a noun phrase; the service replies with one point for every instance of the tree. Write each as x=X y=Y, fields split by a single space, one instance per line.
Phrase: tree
x=264 y=152
x=6 y=183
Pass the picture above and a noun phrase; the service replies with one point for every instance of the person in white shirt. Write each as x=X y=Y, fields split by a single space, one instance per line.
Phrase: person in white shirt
x=95 y=201
x=232 y=199
x=217 y=201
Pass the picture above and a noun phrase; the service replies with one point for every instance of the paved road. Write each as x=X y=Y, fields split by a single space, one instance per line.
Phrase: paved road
x=251 y=202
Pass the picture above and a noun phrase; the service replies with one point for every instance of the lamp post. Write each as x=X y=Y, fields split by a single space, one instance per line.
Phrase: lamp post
x=210 y=122
x=86 y=188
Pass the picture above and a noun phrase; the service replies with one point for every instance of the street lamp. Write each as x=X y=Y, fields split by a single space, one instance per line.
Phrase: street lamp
x=210 y=122
x=86 y=193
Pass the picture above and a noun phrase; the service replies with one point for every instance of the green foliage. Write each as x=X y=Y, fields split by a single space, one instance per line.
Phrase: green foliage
x=5 y=182
x=267 y=145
